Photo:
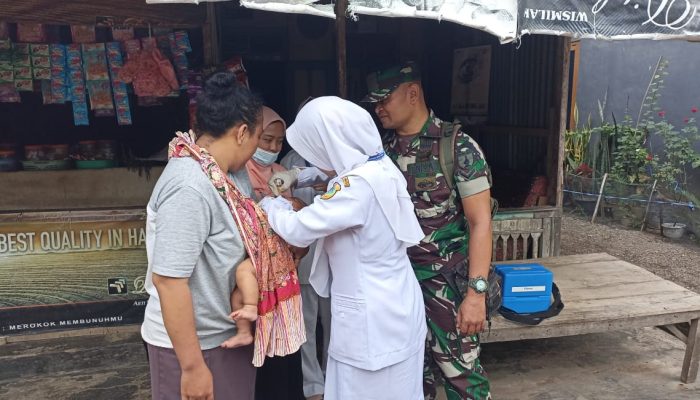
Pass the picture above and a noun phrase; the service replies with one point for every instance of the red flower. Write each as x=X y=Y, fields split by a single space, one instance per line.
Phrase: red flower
x=583 y=170
x=662 y=114
x=694 y=109
x=686 y=120
x=649 y=157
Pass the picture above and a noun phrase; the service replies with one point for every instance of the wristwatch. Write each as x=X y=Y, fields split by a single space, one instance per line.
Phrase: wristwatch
x=479 y=284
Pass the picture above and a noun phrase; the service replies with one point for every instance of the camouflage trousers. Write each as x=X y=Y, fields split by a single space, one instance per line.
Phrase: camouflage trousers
x=451 y=358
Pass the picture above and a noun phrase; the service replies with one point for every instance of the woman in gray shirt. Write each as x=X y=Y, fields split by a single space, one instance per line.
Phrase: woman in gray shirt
x=194 y=246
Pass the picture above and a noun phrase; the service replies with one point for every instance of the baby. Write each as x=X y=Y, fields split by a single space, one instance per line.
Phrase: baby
x=244 y=303
x=244 y=298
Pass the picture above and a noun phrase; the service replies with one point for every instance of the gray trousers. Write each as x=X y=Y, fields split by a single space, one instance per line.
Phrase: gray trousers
x=314 y=307
x=232 y=371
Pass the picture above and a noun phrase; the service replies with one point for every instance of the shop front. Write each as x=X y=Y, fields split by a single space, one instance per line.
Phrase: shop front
x=85 y=122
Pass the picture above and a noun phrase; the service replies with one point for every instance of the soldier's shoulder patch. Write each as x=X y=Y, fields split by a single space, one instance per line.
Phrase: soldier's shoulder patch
x=332 y=191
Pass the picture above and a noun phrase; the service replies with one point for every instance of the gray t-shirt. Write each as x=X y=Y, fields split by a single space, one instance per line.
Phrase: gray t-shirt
x=191 y=233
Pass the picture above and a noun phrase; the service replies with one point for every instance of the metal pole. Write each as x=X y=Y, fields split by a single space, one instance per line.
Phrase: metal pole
x=341 y=46
x=651 y=196
x=600 y=197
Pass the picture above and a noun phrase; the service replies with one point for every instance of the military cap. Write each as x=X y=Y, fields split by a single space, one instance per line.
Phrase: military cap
x=381 y=83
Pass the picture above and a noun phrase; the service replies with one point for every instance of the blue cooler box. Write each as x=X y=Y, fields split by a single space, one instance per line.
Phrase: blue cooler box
x=527 y=288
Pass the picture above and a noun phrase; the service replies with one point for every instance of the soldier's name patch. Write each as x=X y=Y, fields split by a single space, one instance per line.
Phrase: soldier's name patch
x=423 y=168
x=332 y=191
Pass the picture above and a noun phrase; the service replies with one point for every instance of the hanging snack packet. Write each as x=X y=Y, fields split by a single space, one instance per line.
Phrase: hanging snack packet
x=83 y=33
x=30 y=32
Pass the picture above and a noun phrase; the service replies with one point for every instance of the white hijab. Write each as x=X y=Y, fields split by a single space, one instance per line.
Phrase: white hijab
x=337 y=135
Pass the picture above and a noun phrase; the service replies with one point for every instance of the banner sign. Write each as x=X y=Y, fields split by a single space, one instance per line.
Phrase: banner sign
x=311 y=7
x=621 y=19
x=498 y=17
x=71 y=270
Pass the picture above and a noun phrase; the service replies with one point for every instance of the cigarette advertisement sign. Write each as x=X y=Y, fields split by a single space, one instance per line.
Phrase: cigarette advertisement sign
x=71 y=270
x=622 y=19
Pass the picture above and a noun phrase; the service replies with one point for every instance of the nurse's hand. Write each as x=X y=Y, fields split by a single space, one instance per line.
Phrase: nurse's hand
x=282 y=181
x=269 y=203
x=299 y=253
x=471 y=316
x=297 y=203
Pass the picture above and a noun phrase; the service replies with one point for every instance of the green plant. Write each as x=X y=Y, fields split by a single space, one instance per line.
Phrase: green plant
x=650 y=101
x=576 y=144
x=601 y=149
x=631 y=158
x=679 y=152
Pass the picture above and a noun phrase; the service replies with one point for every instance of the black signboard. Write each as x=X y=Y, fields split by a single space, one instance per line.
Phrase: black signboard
x=615 y=19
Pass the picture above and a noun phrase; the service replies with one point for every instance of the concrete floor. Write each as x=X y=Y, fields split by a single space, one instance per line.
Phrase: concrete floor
x=642 y=365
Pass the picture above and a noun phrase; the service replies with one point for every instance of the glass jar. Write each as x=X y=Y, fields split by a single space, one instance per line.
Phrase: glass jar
x=34 y=152
x=106 y=150
x=57 y=152
x=87 y=149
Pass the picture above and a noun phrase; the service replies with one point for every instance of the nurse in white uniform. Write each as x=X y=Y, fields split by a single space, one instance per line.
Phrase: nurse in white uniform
x=364 y=224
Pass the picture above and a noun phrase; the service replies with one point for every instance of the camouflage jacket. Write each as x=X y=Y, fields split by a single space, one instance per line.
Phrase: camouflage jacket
x=438 y=208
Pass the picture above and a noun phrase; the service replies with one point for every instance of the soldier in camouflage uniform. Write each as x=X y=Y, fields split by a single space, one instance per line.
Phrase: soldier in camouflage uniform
x=457 y=224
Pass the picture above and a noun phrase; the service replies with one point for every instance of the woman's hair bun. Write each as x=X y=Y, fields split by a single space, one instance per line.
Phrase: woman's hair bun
x=221 y=84
x=224 y=103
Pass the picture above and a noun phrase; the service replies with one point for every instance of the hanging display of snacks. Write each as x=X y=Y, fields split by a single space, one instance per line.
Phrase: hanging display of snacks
x=6 y=69
x=132 y=47
x=76 y=82
x=95 y=62
x=165 y=49
x=8 y=92
x=122 y=33
x=41 y=62
x=151 y=74
x=46 y=95
x=7 y=75
x=59 y=81
x=97 y=79
x=179 y=46
x=121 y=97
x=83 y=33
x=29 y=32
x=22 y=67
x=149 y=43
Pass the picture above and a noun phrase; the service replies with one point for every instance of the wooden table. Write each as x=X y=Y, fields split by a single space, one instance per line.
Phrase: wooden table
x=602 y=293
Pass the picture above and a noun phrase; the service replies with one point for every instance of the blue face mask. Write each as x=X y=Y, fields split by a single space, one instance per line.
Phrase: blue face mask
x=264 y=157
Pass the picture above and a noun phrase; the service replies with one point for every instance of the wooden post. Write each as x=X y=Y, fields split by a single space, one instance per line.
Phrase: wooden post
x=689 y=373
x=341 y=7
x=651 y=196
x=557 y=130
x=600 y=197
x=211 y=37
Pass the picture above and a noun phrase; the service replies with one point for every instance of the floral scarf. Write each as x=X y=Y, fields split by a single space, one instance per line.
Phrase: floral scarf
x=279 y=328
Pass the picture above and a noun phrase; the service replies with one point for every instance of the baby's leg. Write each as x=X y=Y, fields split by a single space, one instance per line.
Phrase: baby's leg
x=244 y=300
x=247 y=285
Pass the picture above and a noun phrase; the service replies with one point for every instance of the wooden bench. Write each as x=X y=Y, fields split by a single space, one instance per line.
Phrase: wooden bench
x=602 y=293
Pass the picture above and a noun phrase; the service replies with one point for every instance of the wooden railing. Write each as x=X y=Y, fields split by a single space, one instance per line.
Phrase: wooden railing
x=523 y=234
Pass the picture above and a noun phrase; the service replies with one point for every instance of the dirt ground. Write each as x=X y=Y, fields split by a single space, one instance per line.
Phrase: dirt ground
x=641 y=364
x=677 y=261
